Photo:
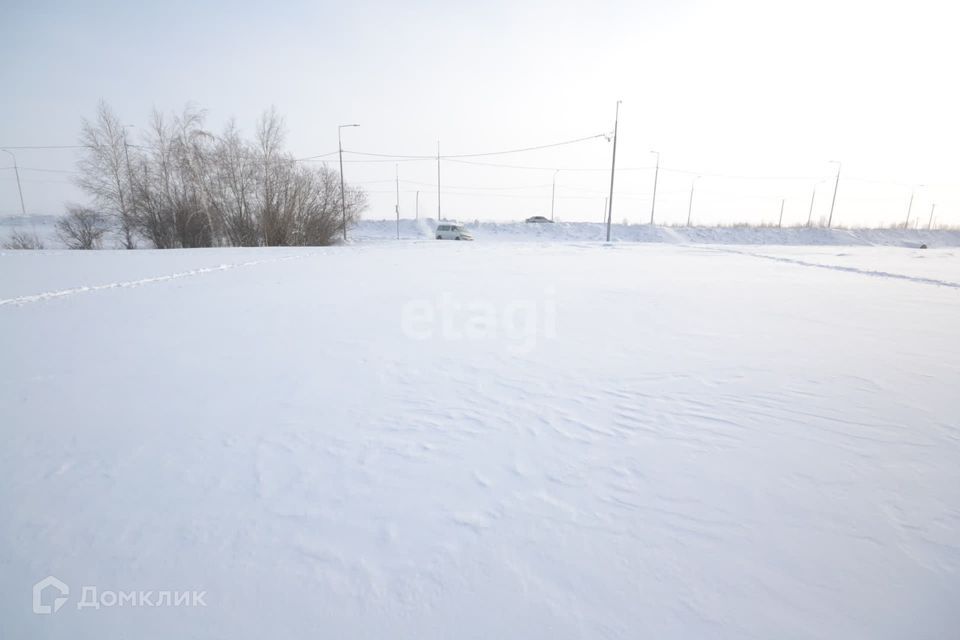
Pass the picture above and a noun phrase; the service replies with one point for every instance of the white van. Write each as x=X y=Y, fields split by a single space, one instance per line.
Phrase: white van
x=452 y=231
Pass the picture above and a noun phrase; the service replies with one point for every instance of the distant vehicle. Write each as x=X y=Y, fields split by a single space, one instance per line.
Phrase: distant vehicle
x=539 y=219
x=452 y=232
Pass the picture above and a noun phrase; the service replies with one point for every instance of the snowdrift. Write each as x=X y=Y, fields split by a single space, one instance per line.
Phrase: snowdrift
x=369 y=230
x=423 y=229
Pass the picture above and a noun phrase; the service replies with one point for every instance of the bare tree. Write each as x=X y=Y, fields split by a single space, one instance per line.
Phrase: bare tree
x=274 y=225
x=155 y=174
x=192 y=148
x=232 y=188
x=82 y=228
x=299 y=204
x=105 y=170
x=319 y=219
x=186 y=187
x=23 y=240
x=172 y=203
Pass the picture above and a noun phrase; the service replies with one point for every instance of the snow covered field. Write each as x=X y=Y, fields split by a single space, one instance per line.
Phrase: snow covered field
x=382 y=230
x=483 y=440
x=44 y=228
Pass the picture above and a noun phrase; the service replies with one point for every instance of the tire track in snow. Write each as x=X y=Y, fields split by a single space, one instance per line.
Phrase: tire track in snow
x=835 y=267
x=50 y=295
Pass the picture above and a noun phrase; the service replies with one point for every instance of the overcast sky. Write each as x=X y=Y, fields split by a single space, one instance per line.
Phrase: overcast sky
x=733 y=88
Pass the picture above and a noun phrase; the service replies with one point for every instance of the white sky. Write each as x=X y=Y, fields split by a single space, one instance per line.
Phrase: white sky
x=735 y=88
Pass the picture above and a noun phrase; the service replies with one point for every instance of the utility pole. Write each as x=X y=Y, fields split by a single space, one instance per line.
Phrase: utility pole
x=906 y=224
x=780 y=222
x=930 y=221
x=438 y=181
x=812 y=196
x=343 y=197
x=16 y=170
x=656 y=175
x=553 y=193
x=834 y=201
x=133 y=200
x=397 y=207
x=613 y=167
x=126 y=154
x=690 y=206
x=418 y=206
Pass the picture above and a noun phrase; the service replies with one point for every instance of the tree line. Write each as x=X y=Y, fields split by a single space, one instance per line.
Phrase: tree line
x=181 y=186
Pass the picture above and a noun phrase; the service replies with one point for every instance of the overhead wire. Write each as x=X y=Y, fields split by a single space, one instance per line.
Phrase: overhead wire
x=475 y=155
x=469 y=159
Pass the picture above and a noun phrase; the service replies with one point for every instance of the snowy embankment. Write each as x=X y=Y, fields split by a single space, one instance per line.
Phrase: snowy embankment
x=368 y=230
x=380 y=230
x=479 y=440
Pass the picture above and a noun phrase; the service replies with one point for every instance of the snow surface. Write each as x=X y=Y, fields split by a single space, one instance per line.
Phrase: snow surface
x=384 y=230
x=370 y=230
x=428 y=439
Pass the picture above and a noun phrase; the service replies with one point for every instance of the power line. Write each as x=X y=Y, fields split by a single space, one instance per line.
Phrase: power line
x=537 y=148
x=482 y=188
x=522 y=196
x=668 y=169
x=461 y=159
x=393 y=161
x=131 y=145
x=706 y=174
x=476 y=155
x=565 y=169
x=884 y=182
x=49 y=170
x=587 y=189
x=322 y=155
x=60 y=146
x=507 y=166
x=45 y=181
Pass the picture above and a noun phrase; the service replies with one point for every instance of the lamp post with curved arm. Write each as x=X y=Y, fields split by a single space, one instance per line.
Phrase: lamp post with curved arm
x=913 y=193
x=656 y=176
x=835 y=185
x=343 y=197
x=690 y=206
x=813 y=196
x=613 y=169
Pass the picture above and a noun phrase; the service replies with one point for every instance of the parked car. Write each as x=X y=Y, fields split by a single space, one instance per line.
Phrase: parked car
x=452 y=231
x=539 y=219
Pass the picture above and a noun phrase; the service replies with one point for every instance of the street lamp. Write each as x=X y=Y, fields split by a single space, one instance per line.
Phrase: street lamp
x=906 y=224
x=16 y=170
x=553 y=193
x=813 y=196
x=690 y=206
x=835 y=185
x=656 y=174
x=343 y=198
x=613 y=168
